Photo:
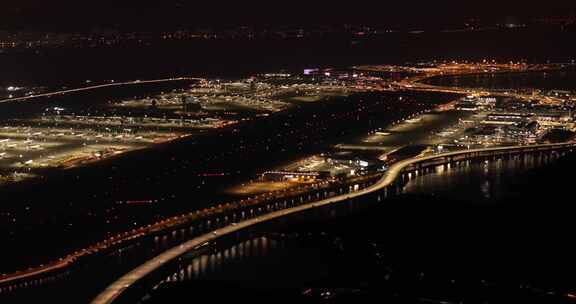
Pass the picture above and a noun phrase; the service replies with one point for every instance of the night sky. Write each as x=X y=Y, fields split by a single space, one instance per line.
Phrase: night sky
x=73 y=15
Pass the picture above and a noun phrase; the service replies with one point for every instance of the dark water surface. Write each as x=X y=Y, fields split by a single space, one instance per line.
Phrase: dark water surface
x=478 y=233
x=552 y=80
x=221 y=58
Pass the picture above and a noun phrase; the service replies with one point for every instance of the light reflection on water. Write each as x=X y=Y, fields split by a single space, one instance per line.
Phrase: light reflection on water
x=558 y=80
x=486 y=180
x=245 y=260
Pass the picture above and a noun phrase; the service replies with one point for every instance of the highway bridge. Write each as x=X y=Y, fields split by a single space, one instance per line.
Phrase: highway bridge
x=130 y=286
x=172 y=231
x=100 y=86
x=198 y=224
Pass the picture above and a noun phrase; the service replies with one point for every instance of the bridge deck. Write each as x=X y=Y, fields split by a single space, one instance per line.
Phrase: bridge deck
x=116 y=289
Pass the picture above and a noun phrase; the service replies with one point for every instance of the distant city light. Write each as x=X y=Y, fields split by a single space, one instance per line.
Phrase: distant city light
x=309 y=71
x=13 y=89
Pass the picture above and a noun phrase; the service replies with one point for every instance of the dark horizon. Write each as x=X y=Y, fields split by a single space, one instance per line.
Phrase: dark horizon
x=71 y=16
